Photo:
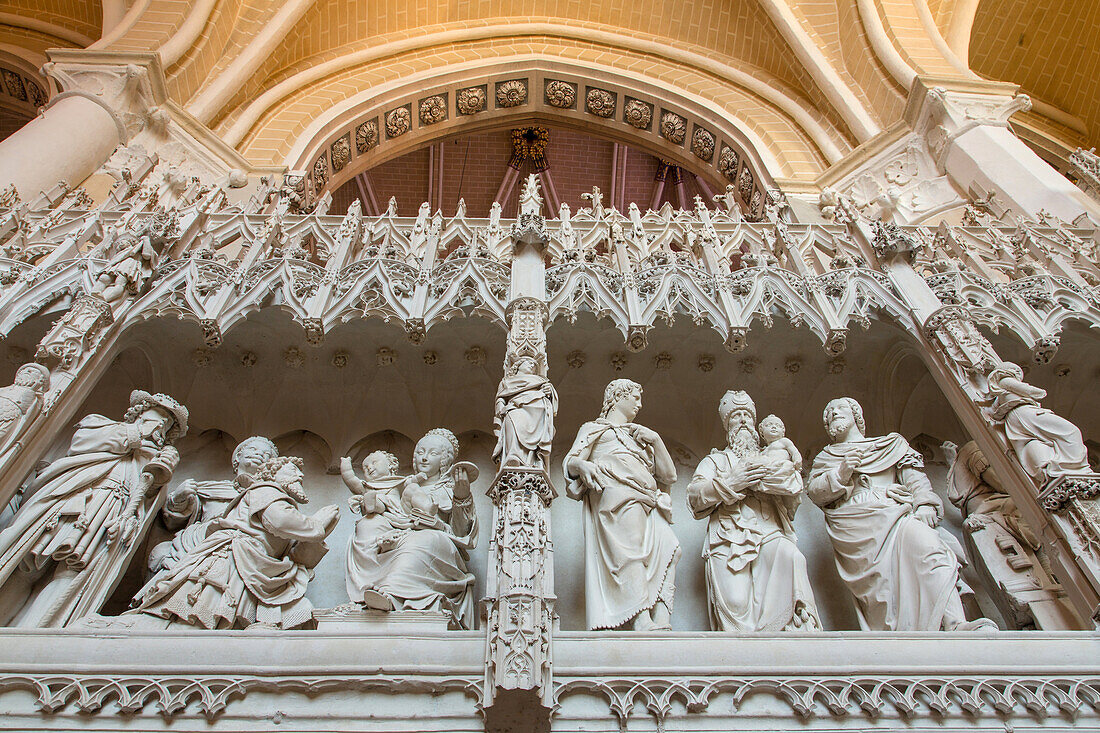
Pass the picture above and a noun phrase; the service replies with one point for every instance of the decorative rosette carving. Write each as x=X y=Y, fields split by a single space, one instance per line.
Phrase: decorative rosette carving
x=600 y=102
x=702 y=143
x=470 y=100
x=512 y=93
x=727 y=163
x=398 y=121
x=366 y=136
x=433 y=109
x=560 y=94
x=638 y=114
x=341 y=153
x=673 y=127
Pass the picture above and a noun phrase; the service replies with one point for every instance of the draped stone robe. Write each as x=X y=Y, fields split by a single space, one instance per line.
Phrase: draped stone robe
x=525 y=421
x=901 y=572
x=756 y=575
x=63 y=524
x=423 y=566
x=630 y=548
x=253 y=566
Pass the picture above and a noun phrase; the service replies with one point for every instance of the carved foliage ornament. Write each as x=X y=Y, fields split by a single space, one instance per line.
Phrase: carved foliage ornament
x=398 y=121
x=702 y=144
x=512 y=93
x=320 y=172
x=600 y=102
x=638 y=114
x=433 y=109
x=561 y=94
x=727 y=163
x=673 y=128
x=470 y=100
x=341 y=153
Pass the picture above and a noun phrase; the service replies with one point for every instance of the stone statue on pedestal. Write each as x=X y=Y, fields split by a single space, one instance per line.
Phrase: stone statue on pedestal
x=622 y=472
x=21 y=401
x=525 y=408
x=254 y=564
x=75 y=535
x=192 y=504
x=410 y=549
x=881 y=514
x=756 y=575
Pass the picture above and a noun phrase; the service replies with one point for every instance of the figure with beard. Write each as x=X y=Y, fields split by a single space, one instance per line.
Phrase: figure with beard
x=881 y=514
x=74 y=537
x=622 y=472
x=756 y=575
x=525 y=408
x=253 y=567
x=194 y=504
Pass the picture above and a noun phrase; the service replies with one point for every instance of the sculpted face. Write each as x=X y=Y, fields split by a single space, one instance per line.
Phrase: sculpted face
x=251 y=454
x=376 y=466
x=630 y=403
x=289 y=476
x=771 y=429
x=525 y=366
x=741 y=417
x=154 y=423
x=839 y=418
x=430 y=455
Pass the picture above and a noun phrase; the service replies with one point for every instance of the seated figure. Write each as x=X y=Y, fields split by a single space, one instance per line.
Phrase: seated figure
x=253 y=567
x=410 y=549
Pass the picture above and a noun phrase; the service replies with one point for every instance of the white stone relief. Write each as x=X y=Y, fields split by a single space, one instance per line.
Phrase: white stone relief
x=881 y=514
x=252 y=568
x=411 y=548
x=73 y=539
x=21 y=401
x=526 y=404
x=621 y=471
x=756 y=575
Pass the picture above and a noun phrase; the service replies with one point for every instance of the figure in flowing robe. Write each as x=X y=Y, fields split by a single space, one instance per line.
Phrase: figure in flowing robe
x=254 y=564
x=622 y=472
x=411 y=555
x=1047 y=444
x=525 y=407
x=756 y=575
x=881 y=514
x=192 y=505
x=75 y=535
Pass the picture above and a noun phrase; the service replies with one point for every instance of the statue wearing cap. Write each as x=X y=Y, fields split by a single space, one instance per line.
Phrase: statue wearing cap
x=73 y=539
x=756 y=575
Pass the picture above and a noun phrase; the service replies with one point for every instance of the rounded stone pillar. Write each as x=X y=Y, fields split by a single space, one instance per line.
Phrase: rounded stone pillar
x=67 y=142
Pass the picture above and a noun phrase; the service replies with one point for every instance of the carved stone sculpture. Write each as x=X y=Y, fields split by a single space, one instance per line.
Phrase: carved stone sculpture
x=1006 y=552
x=622 y=472
x=73 y=539
x=21 y=401
x=193 y=505
x=756 y=575
x=881 y=514
x=253 y=566
x=1047 y=444
x=134 y=259
x=410 y=549
x=525 y=408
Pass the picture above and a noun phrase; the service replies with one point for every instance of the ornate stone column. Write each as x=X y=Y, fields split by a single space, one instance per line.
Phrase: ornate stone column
x=519 y=604
x=965 y=125
x=1061 y=509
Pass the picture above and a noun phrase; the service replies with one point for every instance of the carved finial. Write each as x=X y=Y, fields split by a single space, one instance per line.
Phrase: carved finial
x=596 y=200
x=530 y=202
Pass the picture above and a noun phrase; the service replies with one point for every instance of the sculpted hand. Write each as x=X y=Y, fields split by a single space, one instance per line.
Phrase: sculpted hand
x=462 y=483
x=927 y=515
x=748 y=474
x=182 y=497
x=644 y=435
x=589 y=475
x=848 y=464
x=122 y=529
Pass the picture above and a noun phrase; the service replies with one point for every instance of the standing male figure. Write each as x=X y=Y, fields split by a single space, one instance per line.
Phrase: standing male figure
x=881 y=514
x=73 y=539
x=756 y=575
x=622 y=472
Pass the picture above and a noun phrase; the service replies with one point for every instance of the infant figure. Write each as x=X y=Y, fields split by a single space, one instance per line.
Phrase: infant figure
x=777 y=447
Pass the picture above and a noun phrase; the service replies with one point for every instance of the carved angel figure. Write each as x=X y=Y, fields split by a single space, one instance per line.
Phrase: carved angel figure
x=73 y=539
x=525 y=408
x=1047 y=444
x=622 y=472
x=254 y=564
x=410 y=549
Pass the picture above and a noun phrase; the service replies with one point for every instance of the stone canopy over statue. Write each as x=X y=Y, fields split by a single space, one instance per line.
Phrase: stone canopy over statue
x=881 y=514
